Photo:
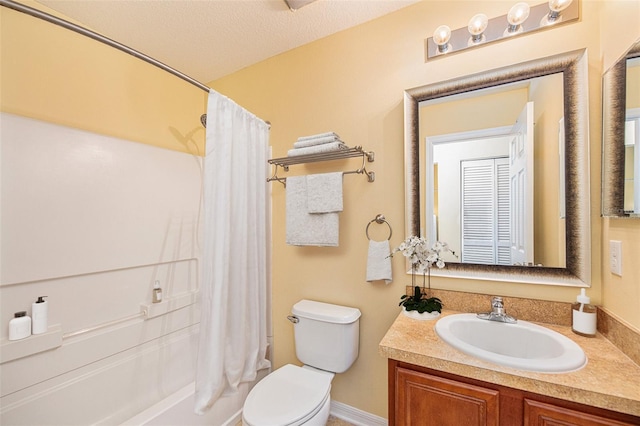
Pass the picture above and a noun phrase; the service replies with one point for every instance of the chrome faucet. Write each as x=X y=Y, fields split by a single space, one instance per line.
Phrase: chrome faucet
x=497 y=313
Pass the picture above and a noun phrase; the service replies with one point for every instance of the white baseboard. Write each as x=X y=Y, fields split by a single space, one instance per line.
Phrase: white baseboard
x=235 y=420
x=355 y=416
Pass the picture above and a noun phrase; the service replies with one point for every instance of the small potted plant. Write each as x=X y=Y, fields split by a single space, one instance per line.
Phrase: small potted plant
x=422 y=256
x=419 y=303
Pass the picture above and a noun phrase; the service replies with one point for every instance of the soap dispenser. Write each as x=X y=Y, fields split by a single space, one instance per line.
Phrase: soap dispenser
x=39 y=315
x=584 y=316
x=20 y=326
x=157 y=292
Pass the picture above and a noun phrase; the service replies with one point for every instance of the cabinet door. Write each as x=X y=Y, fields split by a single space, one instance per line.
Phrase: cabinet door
x=542 y=414
x=425 y=400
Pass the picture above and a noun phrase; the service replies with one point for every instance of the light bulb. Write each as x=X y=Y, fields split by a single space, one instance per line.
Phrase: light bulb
x=516 y=16
x=441 y=37
x=477 y=25
x=555 y=7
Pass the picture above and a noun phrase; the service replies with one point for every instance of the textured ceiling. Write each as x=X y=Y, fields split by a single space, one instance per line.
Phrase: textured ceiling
x=208 y=39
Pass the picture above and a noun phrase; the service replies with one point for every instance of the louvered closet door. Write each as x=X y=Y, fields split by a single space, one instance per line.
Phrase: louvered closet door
x=485 y=211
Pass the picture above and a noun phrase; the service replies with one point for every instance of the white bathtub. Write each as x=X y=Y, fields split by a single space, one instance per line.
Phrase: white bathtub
x=177 y=409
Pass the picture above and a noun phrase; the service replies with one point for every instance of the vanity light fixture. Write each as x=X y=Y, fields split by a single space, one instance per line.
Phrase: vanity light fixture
x=441 y=37
x=516 y=17
x=297 y=4
x=477 y=25
x=520 y=19
x=555 y=7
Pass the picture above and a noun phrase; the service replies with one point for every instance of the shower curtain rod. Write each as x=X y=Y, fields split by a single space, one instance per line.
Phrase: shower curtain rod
x=91 y=34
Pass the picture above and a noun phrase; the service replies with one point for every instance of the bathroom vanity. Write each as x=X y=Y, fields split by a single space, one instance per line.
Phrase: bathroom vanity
x=428 y=379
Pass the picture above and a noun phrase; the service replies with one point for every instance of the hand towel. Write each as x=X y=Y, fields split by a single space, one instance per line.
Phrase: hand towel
x=315 y=141
x=304 y=228
x=315 y=149
x=319 y=135
x=379 y=261
x=324 y=193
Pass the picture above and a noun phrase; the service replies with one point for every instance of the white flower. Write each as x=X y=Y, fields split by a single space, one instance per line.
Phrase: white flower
x=421 y=255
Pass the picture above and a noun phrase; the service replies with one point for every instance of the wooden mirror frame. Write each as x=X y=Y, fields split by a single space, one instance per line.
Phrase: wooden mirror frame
x=574 y=67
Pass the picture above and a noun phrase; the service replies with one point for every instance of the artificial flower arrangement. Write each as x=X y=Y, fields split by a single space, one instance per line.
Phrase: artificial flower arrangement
x=422 y=257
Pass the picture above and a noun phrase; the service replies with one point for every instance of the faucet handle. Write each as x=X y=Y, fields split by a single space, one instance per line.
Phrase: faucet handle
x=497 y=312
x=497 y=305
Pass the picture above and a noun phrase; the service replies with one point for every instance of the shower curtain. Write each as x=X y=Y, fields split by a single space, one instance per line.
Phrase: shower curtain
x=233 y=326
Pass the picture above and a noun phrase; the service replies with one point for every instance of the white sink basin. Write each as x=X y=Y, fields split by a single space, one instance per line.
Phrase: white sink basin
x=524 y=345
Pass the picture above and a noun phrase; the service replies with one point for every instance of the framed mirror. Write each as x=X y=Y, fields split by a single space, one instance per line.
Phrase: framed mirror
x=569 y=141
x=621 y=137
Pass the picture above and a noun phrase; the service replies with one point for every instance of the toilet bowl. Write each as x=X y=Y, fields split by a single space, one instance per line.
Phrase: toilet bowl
x=327 y=342
x=290 y=396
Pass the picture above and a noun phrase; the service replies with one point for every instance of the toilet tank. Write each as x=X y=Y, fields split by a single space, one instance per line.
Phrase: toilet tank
x=326 y=335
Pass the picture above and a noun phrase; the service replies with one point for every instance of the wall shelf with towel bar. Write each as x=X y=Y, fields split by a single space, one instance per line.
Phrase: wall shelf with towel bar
x=285 y=162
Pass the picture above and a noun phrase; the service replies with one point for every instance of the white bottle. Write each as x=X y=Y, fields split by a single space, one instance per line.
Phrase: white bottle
x=40 y=315
x=20 y=326
x=584 y=318
x=157 y=292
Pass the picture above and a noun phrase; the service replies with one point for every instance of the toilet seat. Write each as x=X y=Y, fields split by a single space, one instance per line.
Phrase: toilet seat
x=289 y=396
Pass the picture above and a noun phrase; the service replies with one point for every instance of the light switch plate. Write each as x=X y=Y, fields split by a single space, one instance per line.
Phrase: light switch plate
x=615 y=257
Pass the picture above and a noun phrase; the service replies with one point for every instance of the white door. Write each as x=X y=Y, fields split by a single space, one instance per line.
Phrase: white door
x=521 y=187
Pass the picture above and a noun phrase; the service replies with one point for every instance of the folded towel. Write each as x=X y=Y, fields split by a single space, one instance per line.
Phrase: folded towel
x=302 y=227
x=324 y=193
x=319 y=135
x=315 y=141
x=379 y=261
x=325 y=147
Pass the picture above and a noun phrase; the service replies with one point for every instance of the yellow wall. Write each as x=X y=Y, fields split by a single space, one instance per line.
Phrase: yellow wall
x=353 y=83
x=56 y=75
x=619 y=30
x=633 y=85
x=479 y=112
x=549 y=249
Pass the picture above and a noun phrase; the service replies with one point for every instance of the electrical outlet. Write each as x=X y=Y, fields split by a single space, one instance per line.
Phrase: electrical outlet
x=615 y=257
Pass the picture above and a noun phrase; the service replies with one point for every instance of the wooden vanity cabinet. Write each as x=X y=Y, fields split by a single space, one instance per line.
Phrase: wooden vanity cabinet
x=420 y=396
x=540 y=413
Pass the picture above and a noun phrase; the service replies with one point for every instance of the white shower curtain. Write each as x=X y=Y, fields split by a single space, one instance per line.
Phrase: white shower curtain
x=233 y=326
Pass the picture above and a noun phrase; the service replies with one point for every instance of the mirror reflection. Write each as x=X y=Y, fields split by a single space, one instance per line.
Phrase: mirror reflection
x=493 y=173
x=458 y=126
x=632 y=139
x=621 y=136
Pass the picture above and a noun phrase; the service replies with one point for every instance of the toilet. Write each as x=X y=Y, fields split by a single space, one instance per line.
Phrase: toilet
x=326 y=338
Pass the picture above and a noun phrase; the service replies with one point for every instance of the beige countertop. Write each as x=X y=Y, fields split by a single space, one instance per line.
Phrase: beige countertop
x=610 y=380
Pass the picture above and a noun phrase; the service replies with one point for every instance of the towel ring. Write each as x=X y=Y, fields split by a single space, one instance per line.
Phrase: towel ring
x=379 y=219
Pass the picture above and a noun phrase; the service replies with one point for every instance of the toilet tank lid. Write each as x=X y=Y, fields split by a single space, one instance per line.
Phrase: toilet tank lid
x=325 y=312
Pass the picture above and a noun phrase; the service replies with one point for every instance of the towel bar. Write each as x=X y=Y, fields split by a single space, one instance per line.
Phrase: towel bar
x=357 y=151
